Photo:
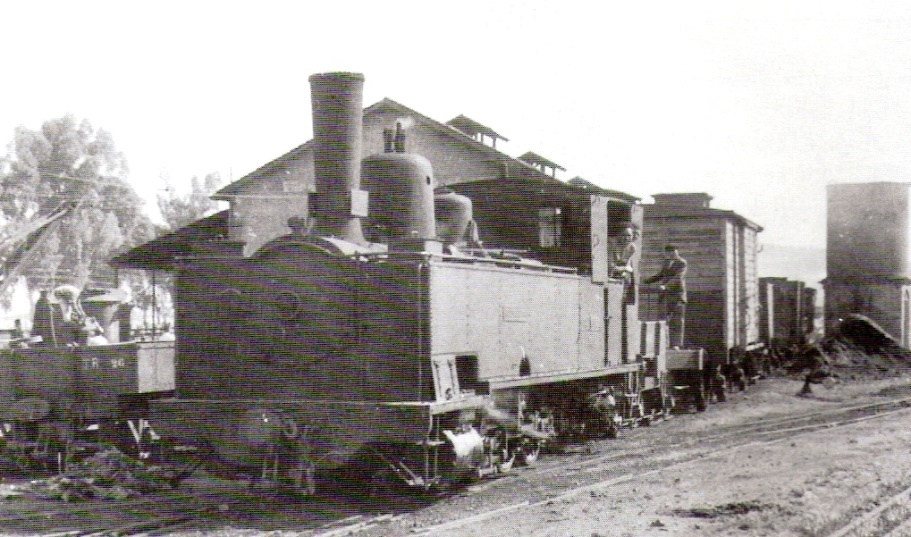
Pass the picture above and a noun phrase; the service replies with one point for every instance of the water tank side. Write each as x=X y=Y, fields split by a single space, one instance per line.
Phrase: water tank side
x=867 y=231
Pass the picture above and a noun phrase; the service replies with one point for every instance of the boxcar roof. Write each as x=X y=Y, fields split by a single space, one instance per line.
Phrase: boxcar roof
x=677 y=212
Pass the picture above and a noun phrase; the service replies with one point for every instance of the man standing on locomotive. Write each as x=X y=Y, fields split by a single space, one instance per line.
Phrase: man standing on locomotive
x=672 y=280
x=624 y=248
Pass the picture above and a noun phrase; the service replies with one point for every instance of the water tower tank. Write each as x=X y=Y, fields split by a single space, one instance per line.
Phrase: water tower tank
x=868 y=235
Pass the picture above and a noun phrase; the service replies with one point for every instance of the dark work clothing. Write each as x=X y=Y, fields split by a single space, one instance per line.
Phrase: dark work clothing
x=673 y=297
x=673 y=278
x=675 y=315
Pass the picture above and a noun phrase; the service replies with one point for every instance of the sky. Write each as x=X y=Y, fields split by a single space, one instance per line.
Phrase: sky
x=759 y=104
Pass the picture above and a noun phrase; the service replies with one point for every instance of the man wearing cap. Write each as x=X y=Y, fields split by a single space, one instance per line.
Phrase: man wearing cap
x=672 y=280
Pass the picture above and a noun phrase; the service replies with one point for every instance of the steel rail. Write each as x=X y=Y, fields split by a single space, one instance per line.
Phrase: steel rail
x=690 y=459
x=731 y=431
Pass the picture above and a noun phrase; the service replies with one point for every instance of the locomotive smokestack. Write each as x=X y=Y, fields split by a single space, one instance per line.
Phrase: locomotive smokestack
x=338 y=203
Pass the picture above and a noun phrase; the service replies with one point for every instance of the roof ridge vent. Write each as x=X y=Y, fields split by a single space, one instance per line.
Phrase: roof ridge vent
x=540 y=163
x=475 y=130
x=700 y=200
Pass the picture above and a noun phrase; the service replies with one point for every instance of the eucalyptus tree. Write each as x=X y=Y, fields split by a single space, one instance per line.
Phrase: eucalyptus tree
x=69 y=161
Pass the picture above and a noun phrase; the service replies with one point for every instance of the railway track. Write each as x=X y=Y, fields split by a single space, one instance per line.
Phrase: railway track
x=888 y=518
x=612 y=463
x=766 y=427
x=714 y=444
x=154 y=520
x=134 y=517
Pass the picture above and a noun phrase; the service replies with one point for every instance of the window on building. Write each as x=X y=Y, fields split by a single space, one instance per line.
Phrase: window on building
x=549 y=227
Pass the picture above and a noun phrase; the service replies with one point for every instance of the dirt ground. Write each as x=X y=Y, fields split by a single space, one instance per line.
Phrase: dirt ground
x=809 y=483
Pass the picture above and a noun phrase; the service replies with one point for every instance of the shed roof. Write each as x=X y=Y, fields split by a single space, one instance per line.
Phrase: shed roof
x=544 y=187
x=162 y=253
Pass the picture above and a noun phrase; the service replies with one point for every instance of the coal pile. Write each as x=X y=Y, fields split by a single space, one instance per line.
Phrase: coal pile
x=861 y=347
x=106 y=475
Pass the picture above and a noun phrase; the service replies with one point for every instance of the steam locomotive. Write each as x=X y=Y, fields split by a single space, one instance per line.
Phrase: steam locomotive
x=401 y=329
x=383 y=329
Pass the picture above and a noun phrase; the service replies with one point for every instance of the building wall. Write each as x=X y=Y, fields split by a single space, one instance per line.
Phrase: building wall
x=259 y=213
x=453 y=162
x=259 y=219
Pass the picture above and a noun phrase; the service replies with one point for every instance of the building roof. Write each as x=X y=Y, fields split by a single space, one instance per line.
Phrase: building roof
x=163 y=252
x=235 y=188
x=545 y=186
x=466 y=140
x=688 y=199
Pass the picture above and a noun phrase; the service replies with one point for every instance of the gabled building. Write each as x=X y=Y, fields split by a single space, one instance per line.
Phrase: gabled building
x=261 y=202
